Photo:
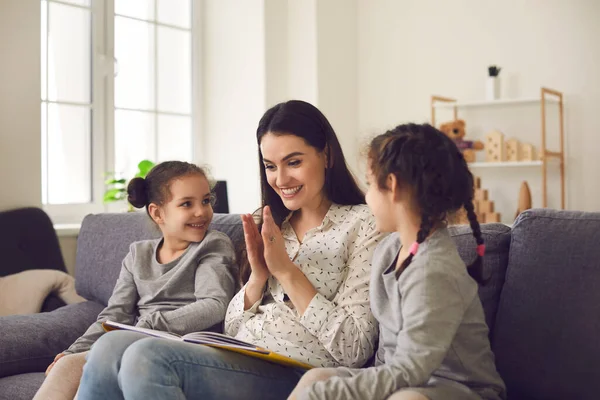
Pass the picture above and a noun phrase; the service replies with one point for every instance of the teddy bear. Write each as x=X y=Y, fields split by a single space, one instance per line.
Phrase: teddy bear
x=455 y=130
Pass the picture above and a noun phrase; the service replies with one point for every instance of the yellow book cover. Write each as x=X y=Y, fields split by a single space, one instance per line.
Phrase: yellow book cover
x=217 y=340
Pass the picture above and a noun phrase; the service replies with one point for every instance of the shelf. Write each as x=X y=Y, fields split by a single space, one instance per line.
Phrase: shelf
x=501 y=102
x=505 y=164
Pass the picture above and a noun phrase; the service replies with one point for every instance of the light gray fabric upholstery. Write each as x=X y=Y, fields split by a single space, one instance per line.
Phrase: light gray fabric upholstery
x=546 y=331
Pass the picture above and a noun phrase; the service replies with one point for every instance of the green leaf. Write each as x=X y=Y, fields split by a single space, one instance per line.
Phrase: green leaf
x=115 y=182
x=114 y=195
x=144 y=167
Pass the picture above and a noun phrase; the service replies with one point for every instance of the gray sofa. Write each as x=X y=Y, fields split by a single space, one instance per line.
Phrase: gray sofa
x=542 y=302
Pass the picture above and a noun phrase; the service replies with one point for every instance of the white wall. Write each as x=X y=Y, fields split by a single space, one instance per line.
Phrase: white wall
x=259 y=53
x=409 y=50
x=234 y=95
x=20 y=121
x=337 y=62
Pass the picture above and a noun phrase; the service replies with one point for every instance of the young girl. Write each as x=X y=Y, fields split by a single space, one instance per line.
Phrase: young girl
x=433 y=337
x=180 y=283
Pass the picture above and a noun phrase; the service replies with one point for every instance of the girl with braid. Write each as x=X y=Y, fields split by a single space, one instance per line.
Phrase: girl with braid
x=433 y=341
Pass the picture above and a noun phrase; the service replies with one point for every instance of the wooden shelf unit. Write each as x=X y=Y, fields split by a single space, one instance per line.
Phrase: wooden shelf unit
x=546 y=96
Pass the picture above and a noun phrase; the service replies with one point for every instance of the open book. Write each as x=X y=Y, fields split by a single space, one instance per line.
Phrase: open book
x=214 y=339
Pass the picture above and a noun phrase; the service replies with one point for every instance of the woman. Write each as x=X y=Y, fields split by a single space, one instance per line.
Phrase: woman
x=306 y=294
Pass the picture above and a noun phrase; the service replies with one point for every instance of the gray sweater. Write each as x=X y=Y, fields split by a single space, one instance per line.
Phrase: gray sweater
x=431 y=325
x=188 y=294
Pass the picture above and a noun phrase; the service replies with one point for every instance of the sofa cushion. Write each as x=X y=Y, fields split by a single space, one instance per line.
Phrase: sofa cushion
x=104 y=241
x=497 y=241
x=546 y=332
x=20 y=387
x=29 y=343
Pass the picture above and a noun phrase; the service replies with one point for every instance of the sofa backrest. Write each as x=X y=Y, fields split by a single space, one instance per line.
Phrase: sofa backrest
x=497 y=241
x=104 y=241
x=546 y=331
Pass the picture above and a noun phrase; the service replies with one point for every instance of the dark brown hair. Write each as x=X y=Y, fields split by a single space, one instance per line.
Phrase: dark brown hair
x=428 y=161
x=304 y=120
x=155 y=188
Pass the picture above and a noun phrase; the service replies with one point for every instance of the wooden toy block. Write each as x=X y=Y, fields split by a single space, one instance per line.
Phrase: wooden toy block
x=481 y=194
x=494 y=147
x=486 y=206
x=492 y=217
x=527 y=152
x=513 y=150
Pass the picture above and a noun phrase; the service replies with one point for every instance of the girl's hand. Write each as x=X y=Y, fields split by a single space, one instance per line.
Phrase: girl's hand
x=58 y=357
x=255 y=249
x=277 y=259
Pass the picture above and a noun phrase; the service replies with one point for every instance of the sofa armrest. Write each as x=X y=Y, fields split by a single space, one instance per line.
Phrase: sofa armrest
x=29 y=343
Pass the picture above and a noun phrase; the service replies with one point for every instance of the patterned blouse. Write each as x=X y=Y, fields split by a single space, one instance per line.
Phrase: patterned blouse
x=337 y=328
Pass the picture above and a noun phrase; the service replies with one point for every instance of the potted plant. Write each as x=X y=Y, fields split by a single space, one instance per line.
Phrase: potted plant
x=117 y=187
x=493 y=83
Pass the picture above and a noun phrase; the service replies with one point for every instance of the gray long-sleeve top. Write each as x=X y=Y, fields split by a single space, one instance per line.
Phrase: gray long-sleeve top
x=431 y=325
x=188 y=294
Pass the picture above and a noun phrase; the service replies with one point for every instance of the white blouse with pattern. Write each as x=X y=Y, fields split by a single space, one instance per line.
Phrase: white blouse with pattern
x=337 y=328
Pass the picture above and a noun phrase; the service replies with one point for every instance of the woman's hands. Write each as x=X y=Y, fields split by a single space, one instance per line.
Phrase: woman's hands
x=255 y=249
x=266 y=250
x=276 y=257
x=267 y=256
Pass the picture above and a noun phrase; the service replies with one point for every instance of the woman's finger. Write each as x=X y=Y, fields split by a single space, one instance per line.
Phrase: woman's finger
x=253 y=225
x=270 y=232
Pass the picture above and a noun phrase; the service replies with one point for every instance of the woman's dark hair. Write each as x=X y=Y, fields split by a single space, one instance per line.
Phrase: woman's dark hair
x=155 y=188
x=304 y=120
x=425 y=159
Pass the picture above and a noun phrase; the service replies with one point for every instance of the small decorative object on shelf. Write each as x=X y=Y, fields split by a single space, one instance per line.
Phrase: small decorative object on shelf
x=513 y=150
x=524 y=199
x=456 y=131
x=492 y=88
x=484 y=207
x=527 y=152
x=494 y=147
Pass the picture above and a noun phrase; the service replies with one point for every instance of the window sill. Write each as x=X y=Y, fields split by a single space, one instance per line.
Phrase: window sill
x=67 y=230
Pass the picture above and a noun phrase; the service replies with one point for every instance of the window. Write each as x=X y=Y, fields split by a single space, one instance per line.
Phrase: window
x=117 y=88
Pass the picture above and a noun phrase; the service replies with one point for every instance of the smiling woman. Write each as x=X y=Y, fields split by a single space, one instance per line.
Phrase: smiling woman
x=305 y=293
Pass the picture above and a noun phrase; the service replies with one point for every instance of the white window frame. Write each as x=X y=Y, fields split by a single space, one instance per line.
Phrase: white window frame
x=103 y=107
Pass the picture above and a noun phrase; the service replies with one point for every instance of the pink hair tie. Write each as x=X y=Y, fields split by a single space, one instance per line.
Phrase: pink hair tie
x=413 y=248
x=481 y=250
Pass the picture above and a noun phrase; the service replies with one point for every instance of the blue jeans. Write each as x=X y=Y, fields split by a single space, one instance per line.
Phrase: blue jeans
x=129 y=365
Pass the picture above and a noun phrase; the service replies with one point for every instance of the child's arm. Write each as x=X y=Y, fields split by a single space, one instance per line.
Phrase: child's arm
x=214 y=288
x=432 y=311
x=121 y=307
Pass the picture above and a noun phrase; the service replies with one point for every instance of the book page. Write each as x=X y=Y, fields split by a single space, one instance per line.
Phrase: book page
x=111 y=325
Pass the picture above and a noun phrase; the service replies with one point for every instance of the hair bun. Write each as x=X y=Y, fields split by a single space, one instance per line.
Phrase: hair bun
x=137 y=192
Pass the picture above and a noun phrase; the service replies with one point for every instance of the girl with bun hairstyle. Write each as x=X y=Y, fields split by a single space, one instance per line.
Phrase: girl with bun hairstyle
x=179 y=283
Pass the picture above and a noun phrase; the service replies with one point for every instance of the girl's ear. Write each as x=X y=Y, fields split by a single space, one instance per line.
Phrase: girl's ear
x=156 y=213
x=398 y=188
x=393 y=185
